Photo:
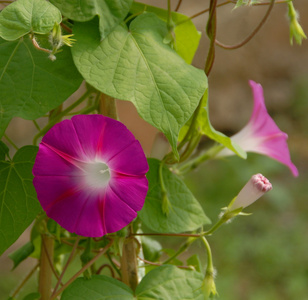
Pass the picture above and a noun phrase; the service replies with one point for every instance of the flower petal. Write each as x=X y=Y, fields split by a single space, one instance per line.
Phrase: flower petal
x=63 y=137
x=130 y=161
x=48 y=162
x=74 y=209
x=101 y=136
x=132 y=190
x=117 y=214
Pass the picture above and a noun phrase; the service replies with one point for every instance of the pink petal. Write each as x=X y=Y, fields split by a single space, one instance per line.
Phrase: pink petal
x=130 y=161
x=49 y=162
x=63 y=137
x=101 y=136
x=132 y=190
x=117 y=213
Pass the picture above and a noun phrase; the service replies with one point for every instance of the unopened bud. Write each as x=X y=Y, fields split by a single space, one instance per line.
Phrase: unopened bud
x=256 y=187
x=296 y=31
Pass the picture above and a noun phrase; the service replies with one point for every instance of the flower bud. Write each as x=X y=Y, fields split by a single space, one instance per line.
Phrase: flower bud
x=296 y=31
x=256 y=187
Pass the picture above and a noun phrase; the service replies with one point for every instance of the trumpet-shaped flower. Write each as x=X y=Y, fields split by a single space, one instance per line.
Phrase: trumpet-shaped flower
x=261 y=134
x=89 y=175
x=256 y=187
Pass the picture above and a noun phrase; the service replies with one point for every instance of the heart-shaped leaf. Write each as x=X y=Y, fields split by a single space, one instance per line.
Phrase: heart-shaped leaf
x=136 y=65
x=185 y=212
x=31 y=84
x=18 y=203
x=24 y=16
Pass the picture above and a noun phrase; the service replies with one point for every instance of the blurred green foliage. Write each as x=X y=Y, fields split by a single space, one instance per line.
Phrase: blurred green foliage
x=265 y=255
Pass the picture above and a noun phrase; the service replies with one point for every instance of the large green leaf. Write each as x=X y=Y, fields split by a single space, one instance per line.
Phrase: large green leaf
x=136 y=65
x=24 y=16
x=99 y=287
x=170 y=283
x=185 y=213
x=204 y=126
x=18 y=203
x=187 y=37
x=31 y=84
x=110 y=12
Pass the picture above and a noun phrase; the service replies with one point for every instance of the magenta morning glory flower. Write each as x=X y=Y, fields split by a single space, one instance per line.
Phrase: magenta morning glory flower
x=261 y=134
x=89 y=175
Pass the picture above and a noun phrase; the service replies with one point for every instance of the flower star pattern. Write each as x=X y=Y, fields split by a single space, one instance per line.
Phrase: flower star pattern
x=261 y=134
x=89 y=175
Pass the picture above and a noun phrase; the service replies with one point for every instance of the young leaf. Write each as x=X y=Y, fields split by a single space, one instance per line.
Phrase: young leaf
x=99 y=287
x=18 y=203
x=187 y=37
x=32 y=296
x=136 y=65
x=170 y=283
x=21 y=254
x=4 y=150
x=194 y=261
x=24 y=16
x=185 y=213
x=110 y=12
x=39 y=84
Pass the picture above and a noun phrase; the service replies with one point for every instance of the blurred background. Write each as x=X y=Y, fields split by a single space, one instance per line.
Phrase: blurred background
x=263 y=256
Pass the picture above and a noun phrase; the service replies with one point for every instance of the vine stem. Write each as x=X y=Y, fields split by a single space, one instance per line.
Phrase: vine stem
x=86 y=266
x=25 y=280
x=178 y=5
x=11 y=142
x=49 y=258
x=45 y=276
x=209 y=267
x=255 y=31
x=66 y=265
x=168 y=234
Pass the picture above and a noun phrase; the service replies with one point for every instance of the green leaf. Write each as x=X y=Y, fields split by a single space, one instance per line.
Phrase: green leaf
x=24 y=16
x=185 y=214
x=136 y=65
x=21 y=254
x=194 y=261
x=4 y=150
x=18 y=203
x=39 y=84
x=99 y=287
x=151 y=248
x=170 y=283
x=110 y=12
x=204 y=126
x=32 y=296
x=186 y=35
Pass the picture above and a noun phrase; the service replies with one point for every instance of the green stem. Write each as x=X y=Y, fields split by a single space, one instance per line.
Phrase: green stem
x=45 y=275
x=169 y=17
x=220 y=222
x=183 y=248
x=10 y=141
x=66 y=266
x=59 y=116
x=86 y=266
x=25 y=281
x=113 y=265
x=36 y=125
x=194 y=163
x=209 y=267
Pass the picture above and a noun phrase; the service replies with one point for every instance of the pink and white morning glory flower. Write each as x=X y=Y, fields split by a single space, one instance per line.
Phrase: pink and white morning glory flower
x=89 y=175
x=261 y=134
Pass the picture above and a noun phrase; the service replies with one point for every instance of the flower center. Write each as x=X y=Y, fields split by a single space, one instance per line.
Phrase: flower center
x=97 y=175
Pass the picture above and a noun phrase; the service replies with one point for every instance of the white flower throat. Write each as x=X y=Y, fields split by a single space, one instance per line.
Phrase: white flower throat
x=97 y=175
